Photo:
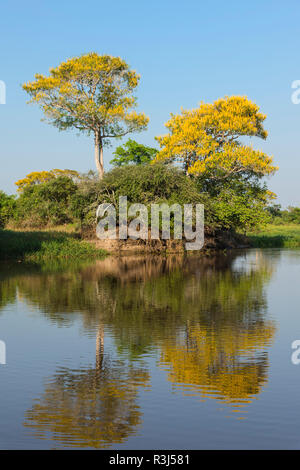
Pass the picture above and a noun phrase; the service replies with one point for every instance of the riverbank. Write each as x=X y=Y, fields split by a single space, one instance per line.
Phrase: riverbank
x=276 y=236
x=66 y=244
x=46 y=245
x=214 y=240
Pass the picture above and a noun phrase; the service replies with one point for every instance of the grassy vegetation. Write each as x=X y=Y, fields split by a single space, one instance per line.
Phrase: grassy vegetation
x=39 y=246
x=276 y=236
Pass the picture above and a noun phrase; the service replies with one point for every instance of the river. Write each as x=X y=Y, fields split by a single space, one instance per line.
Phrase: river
x=152 y=353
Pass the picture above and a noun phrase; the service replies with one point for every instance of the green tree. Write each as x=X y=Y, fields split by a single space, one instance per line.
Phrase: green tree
x=239 y=204
x=133 y=153
x=46 y=203
x=7 y=206
x=275 y=210
x=145 y=184
x=93 y=94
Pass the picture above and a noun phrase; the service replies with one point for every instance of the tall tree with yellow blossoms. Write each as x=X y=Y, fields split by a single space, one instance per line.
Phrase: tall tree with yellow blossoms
x=39 y=177
x=207 y=140
x=92 y=93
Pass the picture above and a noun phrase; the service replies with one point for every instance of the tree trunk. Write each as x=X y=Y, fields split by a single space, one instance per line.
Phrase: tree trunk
x=99 y=347
x=99 y=155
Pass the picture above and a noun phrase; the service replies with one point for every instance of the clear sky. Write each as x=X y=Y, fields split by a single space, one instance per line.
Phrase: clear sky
x=185 y=52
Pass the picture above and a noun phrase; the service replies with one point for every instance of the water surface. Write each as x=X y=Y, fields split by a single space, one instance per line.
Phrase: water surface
x=152 y=352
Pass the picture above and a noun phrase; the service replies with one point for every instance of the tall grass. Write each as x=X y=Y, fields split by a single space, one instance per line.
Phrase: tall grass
x=276 y=236
x=45 y=246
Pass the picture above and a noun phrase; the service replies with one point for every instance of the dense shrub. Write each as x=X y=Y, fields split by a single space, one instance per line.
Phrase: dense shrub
x=289 y=216
x=238 y=204
x=7 y=208
x=143 y=184
x=45 y=204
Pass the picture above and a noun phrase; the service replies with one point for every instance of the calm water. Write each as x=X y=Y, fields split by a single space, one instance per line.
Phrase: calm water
x=152 y=353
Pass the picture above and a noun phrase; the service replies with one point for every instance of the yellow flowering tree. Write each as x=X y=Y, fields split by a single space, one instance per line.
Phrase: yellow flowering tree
x=38 y=177
x=207 y=140
x=91 y=93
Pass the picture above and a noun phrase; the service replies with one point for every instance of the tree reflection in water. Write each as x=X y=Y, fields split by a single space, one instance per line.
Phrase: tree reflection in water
x=205 y=316
x=92 y=407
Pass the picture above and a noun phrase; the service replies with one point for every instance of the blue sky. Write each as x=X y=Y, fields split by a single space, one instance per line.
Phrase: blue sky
x=185 y=52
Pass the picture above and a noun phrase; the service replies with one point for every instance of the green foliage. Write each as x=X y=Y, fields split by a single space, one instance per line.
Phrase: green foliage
x=149 y=184
x=239 y=205
x=236 y=205
x=133 y=153
x=18 y=244
x=45 y=246
x=145 y=184
x=7 y=207
x=47 y=203
x=274 y=210
x=291 y=215
x=273 y=236
x=65 y=248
